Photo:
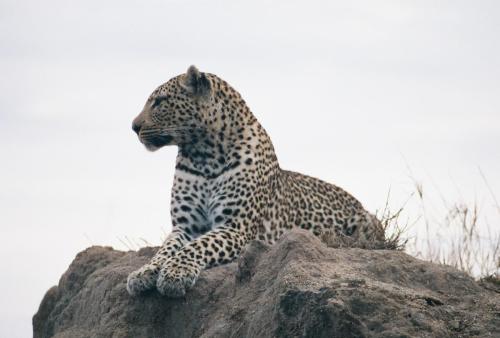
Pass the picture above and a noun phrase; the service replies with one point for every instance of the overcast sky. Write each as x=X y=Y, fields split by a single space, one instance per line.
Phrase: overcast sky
x=354 y=92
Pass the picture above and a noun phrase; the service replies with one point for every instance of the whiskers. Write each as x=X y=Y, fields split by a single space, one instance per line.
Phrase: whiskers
x=155 y=138
x=174 y=131
x=148 y=133
x=159 y=137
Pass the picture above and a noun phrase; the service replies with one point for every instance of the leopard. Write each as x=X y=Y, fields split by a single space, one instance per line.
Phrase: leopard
x=228 y=188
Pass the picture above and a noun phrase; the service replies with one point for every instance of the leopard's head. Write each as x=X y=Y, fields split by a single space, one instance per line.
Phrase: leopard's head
x=176 y=111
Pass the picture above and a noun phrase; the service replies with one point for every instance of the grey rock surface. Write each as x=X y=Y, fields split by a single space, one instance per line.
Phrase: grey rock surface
x=297 y=288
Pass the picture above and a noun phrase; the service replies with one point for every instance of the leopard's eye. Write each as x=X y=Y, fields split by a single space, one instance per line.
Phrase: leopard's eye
x=158 y=100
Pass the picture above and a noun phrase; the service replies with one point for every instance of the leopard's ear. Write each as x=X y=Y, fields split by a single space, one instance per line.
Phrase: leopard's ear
x=196 y=83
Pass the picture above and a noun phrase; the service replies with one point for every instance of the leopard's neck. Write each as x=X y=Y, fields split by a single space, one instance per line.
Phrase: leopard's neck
x=211 y=153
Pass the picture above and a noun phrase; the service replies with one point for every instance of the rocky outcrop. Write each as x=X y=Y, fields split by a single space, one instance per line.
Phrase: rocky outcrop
x=296 y=288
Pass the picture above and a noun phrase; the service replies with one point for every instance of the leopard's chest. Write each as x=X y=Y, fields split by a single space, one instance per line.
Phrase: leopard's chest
x=205 y=204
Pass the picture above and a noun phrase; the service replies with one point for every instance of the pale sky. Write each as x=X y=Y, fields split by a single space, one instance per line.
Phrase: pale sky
x=351 y=92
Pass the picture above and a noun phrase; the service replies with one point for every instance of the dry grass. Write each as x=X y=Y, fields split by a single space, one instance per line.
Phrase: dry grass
x=458 y=234
x=133 y=244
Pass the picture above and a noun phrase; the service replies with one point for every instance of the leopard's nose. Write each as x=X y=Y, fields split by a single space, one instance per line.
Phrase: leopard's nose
x=136 y=127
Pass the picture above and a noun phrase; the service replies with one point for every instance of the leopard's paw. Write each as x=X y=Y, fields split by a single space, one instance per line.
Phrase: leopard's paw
x=175 y=278
x=142 y=280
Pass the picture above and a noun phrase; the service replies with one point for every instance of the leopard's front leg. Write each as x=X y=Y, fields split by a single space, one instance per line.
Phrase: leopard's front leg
x=187 y=225
x=219 y=246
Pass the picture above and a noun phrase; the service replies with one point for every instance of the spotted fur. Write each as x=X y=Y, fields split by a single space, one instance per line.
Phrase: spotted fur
x=228 y=187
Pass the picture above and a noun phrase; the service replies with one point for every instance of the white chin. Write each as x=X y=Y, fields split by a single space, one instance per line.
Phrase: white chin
x=151 y=147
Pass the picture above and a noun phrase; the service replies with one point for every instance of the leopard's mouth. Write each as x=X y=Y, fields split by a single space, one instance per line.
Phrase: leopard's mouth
x=153 y=143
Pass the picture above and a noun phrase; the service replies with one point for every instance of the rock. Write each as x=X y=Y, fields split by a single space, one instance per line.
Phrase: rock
x=297 y=288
